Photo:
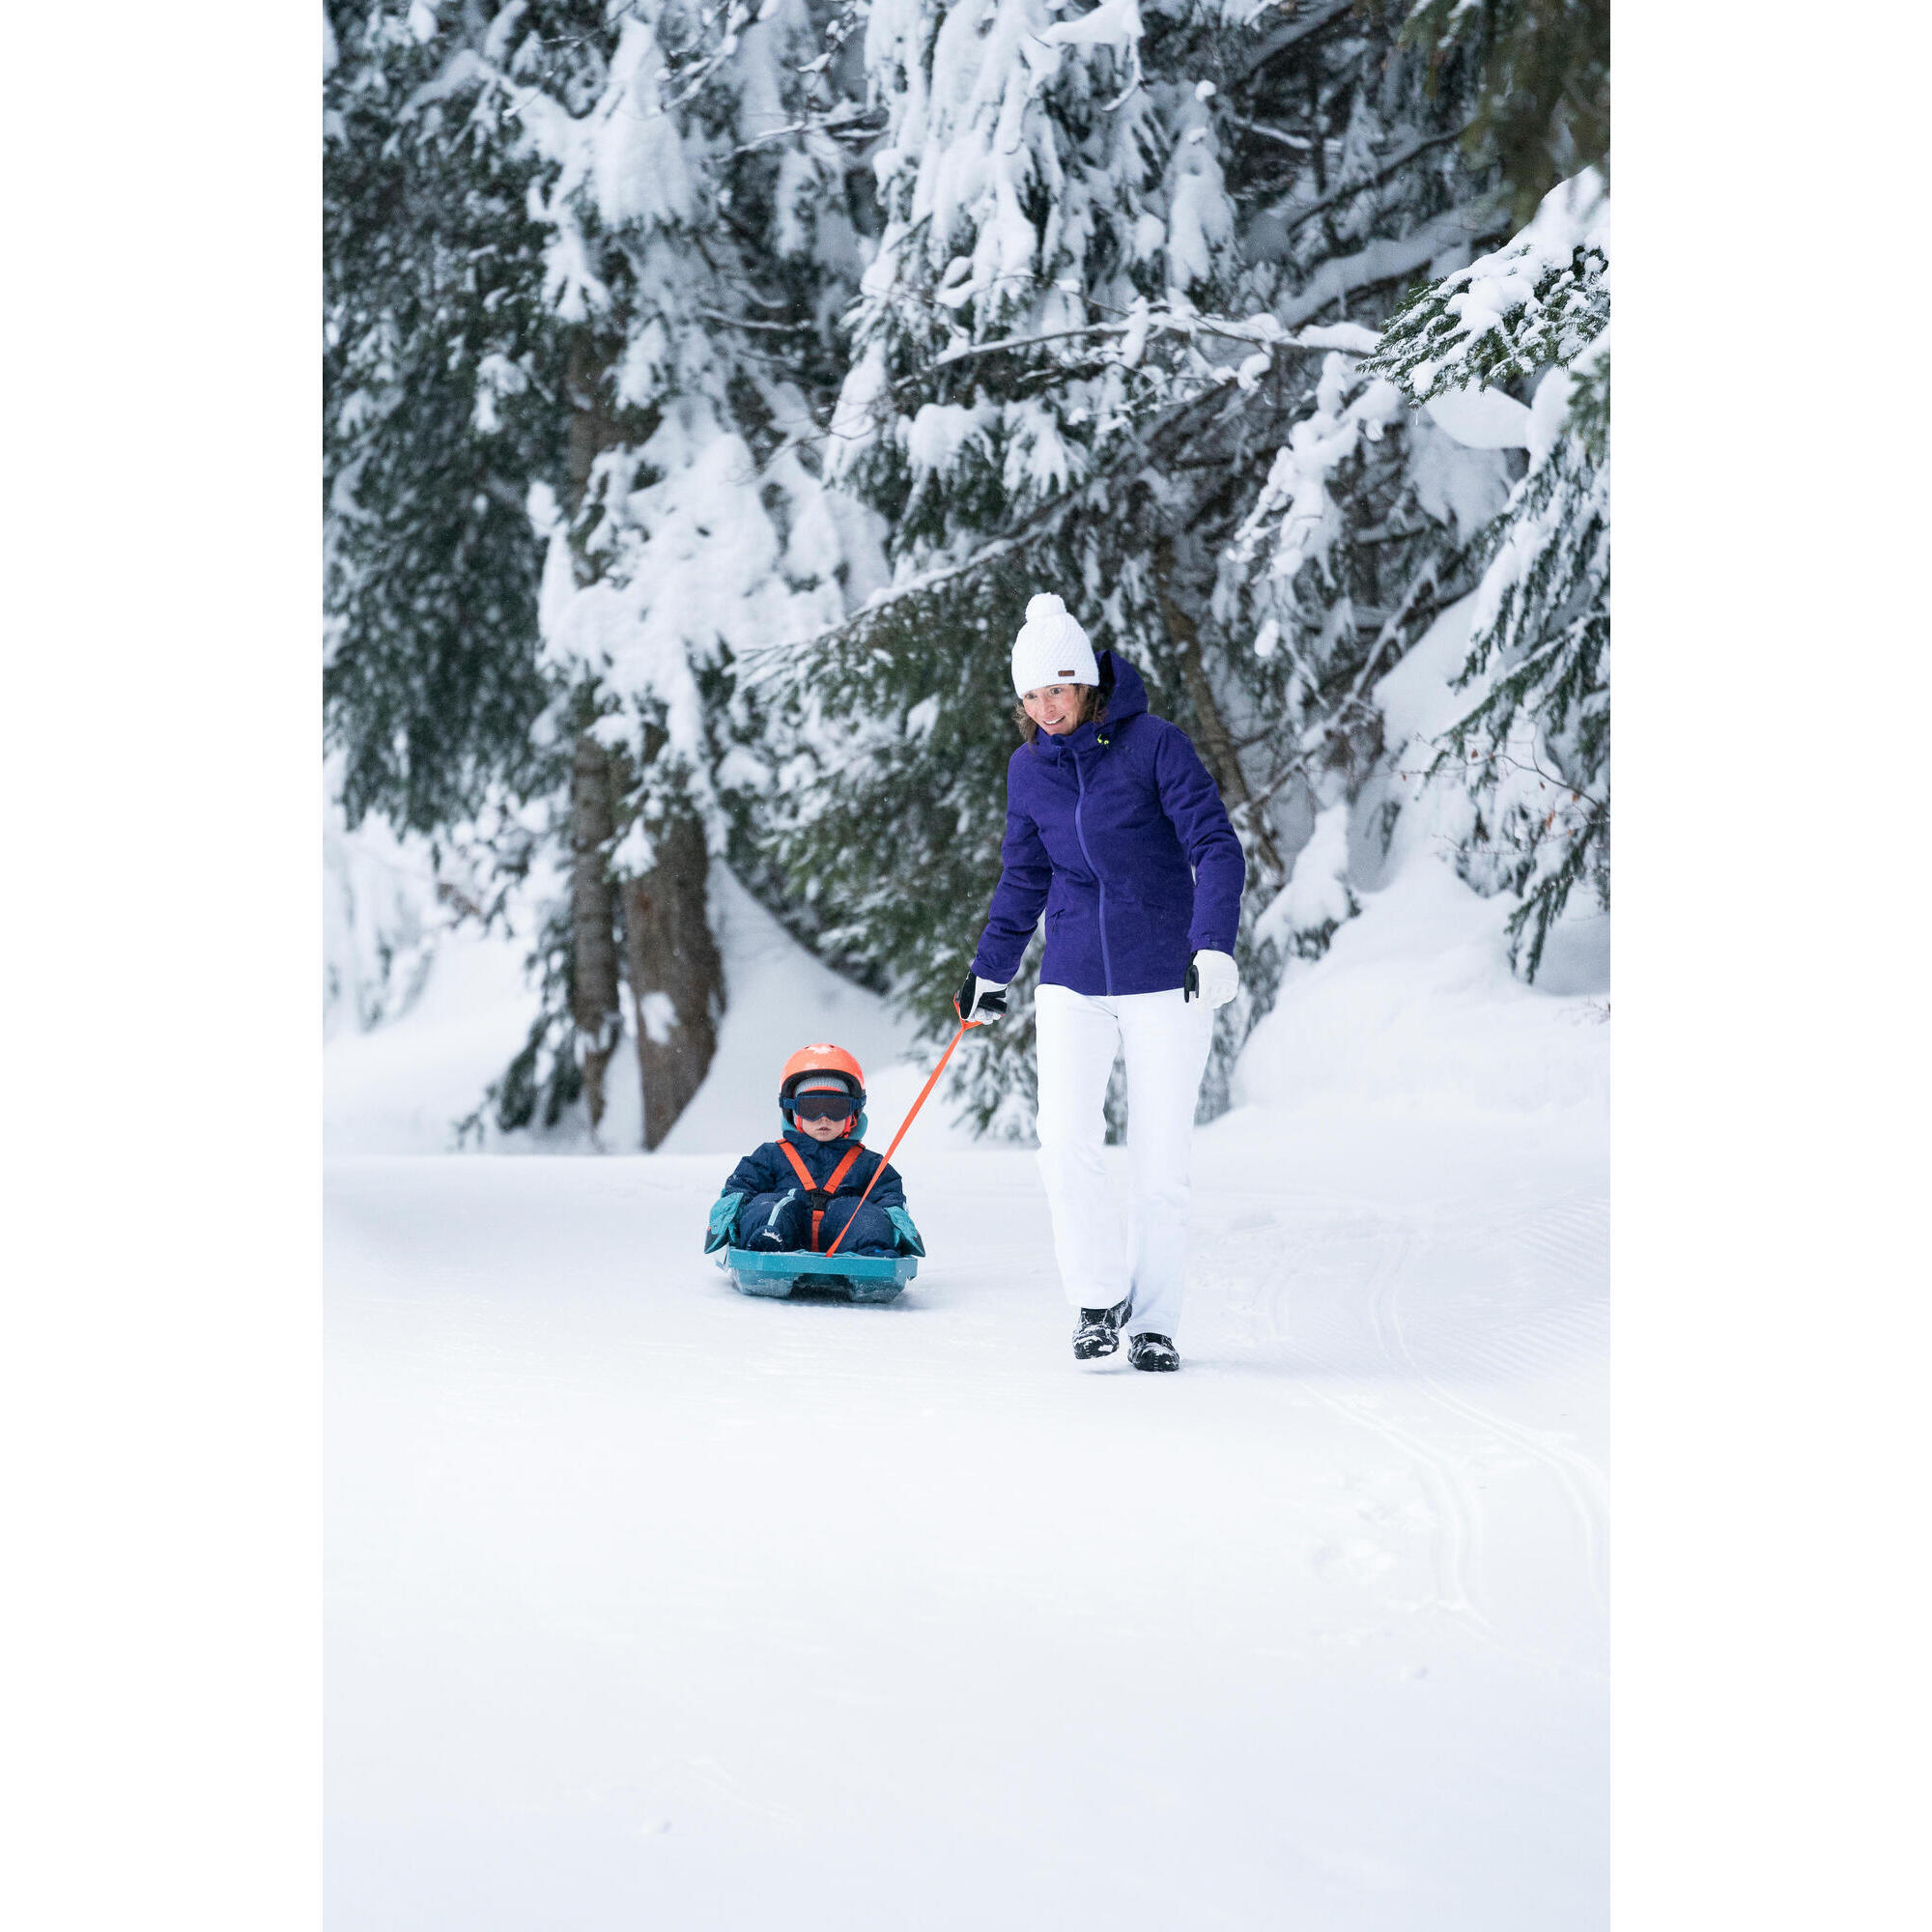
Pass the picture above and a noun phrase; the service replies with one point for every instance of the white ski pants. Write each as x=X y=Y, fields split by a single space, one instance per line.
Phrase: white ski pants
x=1165 y=1039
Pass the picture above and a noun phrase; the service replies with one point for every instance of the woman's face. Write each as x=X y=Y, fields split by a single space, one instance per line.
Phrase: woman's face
x=1055 y=707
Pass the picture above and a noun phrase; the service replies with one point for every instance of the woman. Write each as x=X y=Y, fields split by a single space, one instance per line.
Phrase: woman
x=1116 y=830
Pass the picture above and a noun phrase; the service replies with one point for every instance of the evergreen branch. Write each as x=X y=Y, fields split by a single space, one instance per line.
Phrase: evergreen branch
x=1034 y=527
x=762 y=665
x=1133 y=85
x=1463 y=760
x=1392 y=168
x=1263 y=334
x=840 y=126
x=1297 y=141
x=970 y=351
x=1547 y=299
x=1291 y=37
x=746 y=322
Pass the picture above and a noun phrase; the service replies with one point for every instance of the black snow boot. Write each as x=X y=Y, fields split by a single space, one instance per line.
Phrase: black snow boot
x=1152 y=1351
x=1099 y=1330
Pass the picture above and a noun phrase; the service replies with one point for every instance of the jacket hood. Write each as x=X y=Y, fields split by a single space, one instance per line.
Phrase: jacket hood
x=1127 y=698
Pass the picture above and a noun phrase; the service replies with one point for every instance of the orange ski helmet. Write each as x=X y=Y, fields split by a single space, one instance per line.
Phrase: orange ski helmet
x=819 y=1063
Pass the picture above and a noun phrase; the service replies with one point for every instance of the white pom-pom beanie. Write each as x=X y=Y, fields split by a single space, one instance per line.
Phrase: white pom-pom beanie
x=1051 y=647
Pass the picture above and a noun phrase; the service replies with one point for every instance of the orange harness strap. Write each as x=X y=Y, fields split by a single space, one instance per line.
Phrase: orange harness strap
x=811 y=1186
x=798 y=1167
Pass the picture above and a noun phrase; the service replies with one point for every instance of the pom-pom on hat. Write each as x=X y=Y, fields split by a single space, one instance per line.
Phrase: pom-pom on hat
x=1051 y=647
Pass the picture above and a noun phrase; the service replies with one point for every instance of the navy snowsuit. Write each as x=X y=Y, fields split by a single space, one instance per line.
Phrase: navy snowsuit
x=771 y=1186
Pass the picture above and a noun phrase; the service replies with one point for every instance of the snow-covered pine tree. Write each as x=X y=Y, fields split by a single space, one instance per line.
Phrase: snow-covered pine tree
x=1085 y=336
x=1357 y=522
x=442 y=376
x=694 y=188
x=584 y=262
x=1532 y=750
x=1533 y=79
x=443 y=407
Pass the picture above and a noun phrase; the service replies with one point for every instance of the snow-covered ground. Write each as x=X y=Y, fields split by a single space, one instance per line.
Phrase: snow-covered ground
x=651 y=1605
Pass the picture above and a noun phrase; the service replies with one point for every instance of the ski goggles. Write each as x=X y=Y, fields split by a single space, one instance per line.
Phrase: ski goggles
x=824 y=1106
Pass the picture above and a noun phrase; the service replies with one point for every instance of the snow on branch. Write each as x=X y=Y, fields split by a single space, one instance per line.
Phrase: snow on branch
x=1145 y=319
x=1541 y=299
x=1296 y=504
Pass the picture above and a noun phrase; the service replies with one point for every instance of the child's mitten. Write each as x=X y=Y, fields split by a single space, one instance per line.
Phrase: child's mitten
x=723 y=1222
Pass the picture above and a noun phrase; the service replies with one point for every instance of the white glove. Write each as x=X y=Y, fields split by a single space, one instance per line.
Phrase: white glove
x=980 y=1000
x=1213 y=976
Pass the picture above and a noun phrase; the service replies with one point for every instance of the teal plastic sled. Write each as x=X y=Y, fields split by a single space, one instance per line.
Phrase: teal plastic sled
x=862 y=1277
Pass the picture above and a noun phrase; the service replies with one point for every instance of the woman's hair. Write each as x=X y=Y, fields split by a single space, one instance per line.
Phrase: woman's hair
x=1093 y=709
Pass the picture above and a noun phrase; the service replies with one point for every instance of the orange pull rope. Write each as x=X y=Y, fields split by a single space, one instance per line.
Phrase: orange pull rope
x=912 y=1114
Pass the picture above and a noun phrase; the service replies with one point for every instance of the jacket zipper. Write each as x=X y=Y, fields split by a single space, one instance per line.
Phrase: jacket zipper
x=1080 y=833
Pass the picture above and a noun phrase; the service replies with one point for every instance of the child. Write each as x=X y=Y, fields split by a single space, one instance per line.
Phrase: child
x=802 y=1190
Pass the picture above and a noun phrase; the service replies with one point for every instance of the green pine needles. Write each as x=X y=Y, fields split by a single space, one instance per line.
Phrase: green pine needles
x=442 y=406
x=889 y=828
x=1501 y=321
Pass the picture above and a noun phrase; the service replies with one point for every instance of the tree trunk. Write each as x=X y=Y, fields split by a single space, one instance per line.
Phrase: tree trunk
x=593 y=429
x=677 y=980
x=1217 y=742
x=593 y=917
x=594 y=1003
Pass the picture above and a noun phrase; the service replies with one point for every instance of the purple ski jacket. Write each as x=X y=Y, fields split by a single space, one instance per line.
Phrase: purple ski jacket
x=1117 y=832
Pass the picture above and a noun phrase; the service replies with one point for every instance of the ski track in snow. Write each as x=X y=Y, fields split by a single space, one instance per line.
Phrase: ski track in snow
x=1459 y=1512
x=1561 y=1246
x=1457 y=1539
x=655 y=1605
x=1579 y=1478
